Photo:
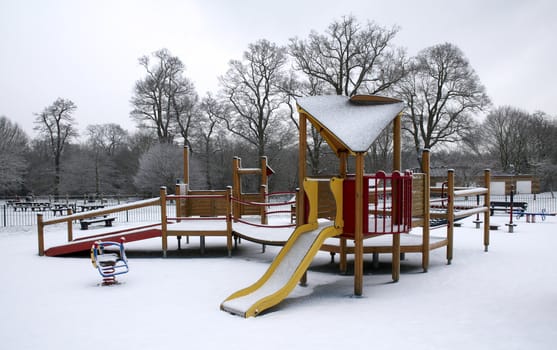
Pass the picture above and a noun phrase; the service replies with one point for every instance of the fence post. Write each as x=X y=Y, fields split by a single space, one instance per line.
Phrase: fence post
x=40 y=232
x=70 y=229
x=5 y=215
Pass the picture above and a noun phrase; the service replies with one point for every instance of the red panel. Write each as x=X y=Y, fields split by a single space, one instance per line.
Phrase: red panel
x=397 y=201
x=349 y=206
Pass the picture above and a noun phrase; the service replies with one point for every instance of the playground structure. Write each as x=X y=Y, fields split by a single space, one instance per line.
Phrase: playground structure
x=350 y=126
x=345 y=214
x=211 y=212
x=198 y=213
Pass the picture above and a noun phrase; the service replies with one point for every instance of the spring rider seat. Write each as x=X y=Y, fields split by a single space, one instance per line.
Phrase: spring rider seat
x=109 y=262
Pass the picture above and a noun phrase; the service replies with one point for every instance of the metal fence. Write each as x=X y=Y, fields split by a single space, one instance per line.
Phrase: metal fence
x=536 y=202
x=11 y=216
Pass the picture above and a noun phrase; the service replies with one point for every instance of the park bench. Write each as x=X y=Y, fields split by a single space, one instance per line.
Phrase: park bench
x=518 y=207
x=106 y=219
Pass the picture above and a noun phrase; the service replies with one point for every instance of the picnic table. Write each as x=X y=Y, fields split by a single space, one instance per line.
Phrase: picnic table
x=87 y=207
x=38 y=206
x=61 y=208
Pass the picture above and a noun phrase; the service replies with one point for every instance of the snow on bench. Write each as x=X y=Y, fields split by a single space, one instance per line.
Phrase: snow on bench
x=106 y=219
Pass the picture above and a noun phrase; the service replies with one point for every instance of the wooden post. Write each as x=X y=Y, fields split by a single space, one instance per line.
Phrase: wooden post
x=40 y=233
x=304 y=279
x=164 y=234
x=263 y=189
x=302 y=166
x=343 y=164
x=397 y=142
x=264 y=177
x=186 y=156
x=229 y=220
x=450 y=215
x=397 y=165
x=427 y=195
x=70 y=227
x=263 y=209
x=342 y=259
x=236 y=186
x=178 y=202
x=487 y=199
x=358 y=229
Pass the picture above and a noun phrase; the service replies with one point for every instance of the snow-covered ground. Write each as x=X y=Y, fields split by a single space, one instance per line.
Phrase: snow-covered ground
x=503 y=299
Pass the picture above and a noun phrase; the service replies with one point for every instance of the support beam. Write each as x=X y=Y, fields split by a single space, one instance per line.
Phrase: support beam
x=302 y=166
x=358 y=234
x=450 y=215
x=164 y=232
x=186 y=156
x=397 y=142
x=397 y=165
x=426 y=226
x=487 y=199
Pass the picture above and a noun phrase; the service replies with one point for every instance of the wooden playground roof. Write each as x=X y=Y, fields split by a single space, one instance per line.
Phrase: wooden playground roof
x=350 y=124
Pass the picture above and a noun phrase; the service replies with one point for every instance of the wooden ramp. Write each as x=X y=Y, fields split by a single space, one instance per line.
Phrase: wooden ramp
x=84 y=243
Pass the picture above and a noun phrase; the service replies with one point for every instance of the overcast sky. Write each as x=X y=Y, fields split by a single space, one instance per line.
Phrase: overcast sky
x=87 y=51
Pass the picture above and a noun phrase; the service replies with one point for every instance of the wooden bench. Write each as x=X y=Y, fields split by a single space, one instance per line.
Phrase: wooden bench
x=505 y=206
x=86 y=222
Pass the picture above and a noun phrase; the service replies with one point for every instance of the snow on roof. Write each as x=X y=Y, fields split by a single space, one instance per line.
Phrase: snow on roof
x=355 y=122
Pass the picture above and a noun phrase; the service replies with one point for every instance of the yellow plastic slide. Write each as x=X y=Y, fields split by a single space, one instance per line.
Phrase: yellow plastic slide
x=291 y=262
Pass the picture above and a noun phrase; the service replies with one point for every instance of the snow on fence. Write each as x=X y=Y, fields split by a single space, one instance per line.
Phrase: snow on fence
x=11 y=215
x=536 y=202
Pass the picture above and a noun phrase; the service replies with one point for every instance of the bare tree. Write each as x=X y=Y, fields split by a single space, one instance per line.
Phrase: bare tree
x=165 y=98
x=442 y=92
x=13 y=145
x=542 y=129
x=521 y=143
x=161 y=165
x=103 y=141
x=57 y=126
x=211 y=112
x=107 y=138
x=517 y=138
x=351 y=58
x=253 y=95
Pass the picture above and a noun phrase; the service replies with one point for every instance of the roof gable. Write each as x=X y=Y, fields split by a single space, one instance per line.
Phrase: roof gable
x=350 y=124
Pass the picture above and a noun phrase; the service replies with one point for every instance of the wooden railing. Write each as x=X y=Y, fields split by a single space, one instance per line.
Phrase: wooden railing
x=68 y=219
